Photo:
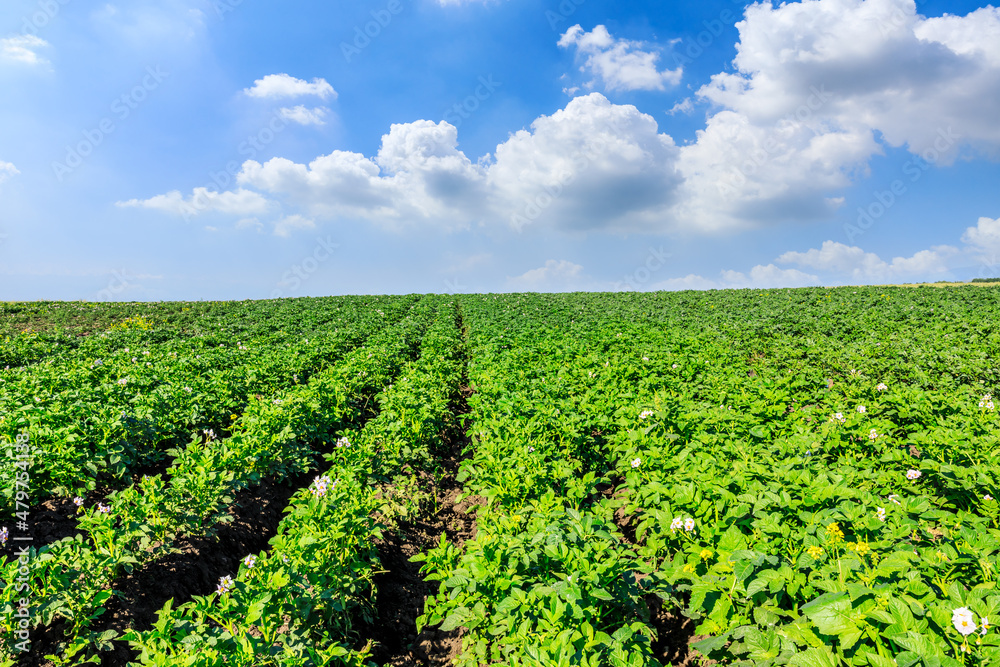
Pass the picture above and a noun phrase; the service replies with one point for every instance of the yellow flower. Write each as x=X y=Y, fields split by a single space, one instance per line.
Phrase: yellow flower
x=689 y=568
x=815 y=551
x=705 y=554
x=860 y=547
x=834 y=532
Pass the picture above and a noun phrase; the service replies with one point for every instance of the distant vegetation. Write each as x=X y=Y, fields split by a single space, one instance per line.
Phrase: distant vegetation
x=986 y=280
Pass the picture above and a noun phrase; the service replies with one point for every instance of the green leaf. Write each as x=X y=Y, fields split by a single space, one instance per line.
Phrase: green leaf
x=831 y=613
x=814 y=657
x=876 y=660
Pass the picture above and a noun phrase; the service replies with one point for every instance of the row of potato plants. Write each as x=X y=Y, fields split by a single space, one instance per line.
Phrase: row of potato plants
x=277 y=437
x=548 y=580
x=297 y=602
x=88 y=425
x=30 y=332
x=90 y=418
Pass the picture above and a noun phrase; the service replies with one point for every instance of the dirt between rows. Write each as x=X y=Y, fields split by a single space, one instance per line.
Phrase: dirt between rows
x=674 y=631
x=401 y=589
x=194 y=570
x=56 y=517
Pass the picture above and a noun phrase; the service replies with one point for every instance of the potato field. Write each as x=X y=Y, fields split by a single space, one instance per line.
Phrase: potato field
x=788 y=477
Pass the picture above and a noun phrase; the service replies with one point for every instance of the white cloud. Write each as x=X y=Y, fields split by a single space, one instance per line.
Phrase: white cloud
x=769 y=276
x=7 y=170
x=820 y=87
x=984 y=237
x=685 y=106
x=284 y=85
x=835 y=263
x=202 y=200
x=816 y=83
x=853 y=263
x=691 y=281
x=250 y=223
x=621 y=64
x=305 y=116
x=289 y=224
x=22 y=49
x=591 y=165
x=418 y=176
x=760 y=277
x=555 y=276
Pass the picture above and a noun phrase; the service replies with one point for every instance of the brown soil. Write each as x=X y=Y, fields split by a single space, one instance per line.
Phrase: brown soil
x=674 y=635
x=402 y=590
x=48 y=521
x=674 y=631
x=194 y=570
x=54 y=518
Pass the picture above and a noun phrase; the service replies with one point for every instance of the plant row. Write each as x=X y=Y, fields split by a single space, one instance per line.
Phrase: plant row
x=274 y=438
x=297 y=603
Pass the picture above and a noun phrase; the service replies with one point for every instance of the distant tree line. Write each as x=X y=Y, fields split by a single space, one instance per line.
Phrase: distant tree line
x=986 y=280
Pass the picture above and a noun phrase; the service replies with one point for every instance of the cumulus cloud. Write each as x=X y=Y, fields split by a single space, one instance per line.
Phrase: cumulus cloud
x=685 y=106
x=22 y=49
x=556 y=276
x=853 y=263
x=759 y=277
x=591 y=165
x=202 y=200
x=985 y=236
x=819 y=88
x=835 y=263
x=305 y=116
x=7 y=170
x=816 y=83
x=284 y=85
x=419 y=175
x=619 y=63
x=983 y=246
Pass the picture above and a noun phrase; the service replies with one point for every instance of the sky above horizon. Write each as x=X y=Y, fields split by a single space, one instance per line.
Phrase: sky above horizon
x=233 y=149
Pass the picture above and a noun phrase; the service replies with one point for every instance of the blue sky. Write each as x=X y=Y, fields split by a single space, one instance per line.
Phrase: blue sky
x=227 y=149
